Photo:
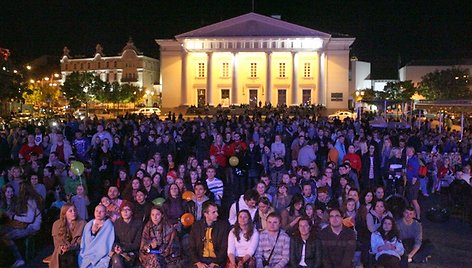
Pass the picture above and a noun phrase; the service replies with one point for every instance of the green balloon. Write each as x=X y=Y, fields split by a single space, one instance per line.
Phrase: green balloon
x=158 y=201
x=77 y=167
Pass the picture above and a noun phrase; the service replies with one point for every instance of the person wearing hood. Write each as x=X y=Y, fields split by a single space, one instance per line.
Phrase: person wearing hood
x=247 y=201
x=196 y=204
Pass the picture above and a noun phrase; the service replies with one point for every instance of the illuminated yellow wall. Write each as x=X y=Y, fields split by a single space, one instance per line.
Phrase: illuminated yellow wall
x=171 y=69
x=337 y=73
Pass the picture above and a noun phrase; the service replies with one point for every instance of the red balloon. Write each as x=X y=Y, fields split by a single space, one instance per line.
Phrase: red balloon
x=187 y=219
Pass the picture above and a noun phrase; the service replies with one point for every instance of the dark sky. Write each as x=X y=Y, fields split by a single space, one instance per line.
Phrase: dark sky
x=384 y=30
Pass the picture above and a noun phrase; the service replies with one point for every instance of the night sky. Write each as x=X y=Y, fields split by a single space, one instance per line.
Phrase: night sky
x=385 y=30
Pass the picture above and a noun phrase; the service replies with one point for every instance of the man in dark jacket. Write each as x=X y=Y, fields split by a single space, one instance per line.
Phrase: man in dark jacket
x=209 y=239
x=305 y=249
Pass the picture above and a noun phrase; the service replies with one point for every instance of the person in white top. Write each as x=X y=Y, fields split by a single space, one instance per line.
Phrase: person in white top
x=248 y=201
x=242 y=242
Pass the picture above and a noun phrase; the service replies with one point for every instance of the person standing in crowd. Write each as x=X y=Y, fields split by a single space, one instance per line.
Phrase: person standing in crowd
x=214 y=185
x=67 y=234
x=412 y=176
x=97 y=241
x=274 y=244
x=338 y=242
x=305 y=248
x=209 y=239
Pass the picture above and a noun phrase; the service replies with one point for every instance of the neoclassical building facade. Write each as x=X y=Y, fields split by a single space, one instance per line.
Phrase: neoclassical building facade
x=130 y=66
x=253 y=59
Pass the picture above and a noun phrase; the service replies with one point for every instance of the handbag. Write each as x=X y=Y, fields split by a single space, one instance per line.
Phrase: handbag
x=16 y=224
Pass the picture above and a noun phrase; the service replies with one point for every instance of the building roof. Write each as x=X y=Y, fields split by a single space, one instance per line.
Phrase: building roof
x=253 y=24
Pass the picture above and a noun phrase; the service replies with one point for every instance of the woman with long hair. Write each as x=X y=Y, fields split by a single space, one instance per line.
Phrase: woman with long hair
x=242 y=242
x=376 y=215
x=174 y=206
x=129 y=193
x=66 y=233
x=159 y=236
x=25 y=220
x=7 y=200
x=386 y=244
x=281 y=199
x=293 y=213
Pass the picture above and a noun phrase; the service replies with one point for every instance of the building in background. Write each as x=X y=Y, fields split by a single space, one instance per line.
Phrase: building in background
x=416 y=69
x=254 y=59
x=130 y=66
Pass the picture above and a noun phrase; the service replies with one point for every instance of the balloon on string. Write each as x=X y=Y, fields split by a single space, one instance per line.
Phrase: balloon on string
x=158 y=201
x=233 y=161
x=188 y=195
x=77 y=168
x=187 y=219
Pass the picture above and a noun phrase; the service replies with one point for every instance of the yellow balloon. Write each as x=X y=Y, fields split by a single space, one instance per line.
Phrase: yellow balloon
x=77 y=167
x=233 y=161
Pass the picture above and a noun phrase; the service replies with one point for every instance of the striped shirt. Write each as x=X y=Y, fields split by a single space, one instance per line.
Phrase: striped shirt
x=216 y=187
x=281 y=255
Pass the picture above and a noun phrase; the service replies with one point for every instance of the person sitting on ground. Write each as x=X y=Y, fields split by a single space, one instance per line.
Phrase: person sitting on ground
x=242 y=242
x=97 y=241
x=305 y=249
x=67 y=234
x=209 y=239
x=338 y=242
x=274 y=244
x=25 y=220
x=386 y=244
x=128 y=231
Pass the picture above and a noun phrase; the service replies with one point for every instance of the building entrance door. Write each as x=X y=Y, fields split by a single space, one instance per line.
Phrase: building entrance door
x=306 y=95
x=253 y=97
x=282 y=97
x=225 y=97
x=201 y=97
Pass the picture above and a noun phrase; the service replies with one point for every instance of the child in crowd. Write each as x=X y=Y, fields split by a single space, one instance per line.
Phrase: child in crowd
x=81 y=202
x=113 y=211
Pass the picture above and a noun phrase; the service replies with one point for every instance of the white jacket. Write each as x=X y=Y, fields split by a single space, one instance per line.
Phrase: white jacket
x=376 y=241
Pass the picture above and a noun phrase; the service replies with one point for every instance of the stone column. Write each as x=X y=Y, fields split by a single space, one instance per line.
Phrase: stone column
x=268 y=90
x=322 y=79
x=234 y=89
x=183 y=82
x=294 y=79
x=209 y=79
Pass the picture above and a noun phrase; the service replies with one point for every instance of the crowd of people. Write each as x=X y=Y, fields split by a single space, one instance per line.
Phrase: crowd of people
x=272 y=191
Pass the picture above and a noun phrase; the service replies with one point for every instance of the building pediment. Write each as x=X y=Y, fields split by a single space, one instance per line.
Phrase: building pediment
x=254 y=25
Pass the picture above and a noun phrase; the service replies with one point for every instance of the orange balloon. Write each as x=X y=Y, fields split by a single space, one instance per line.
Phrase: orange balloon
x=187 y=219
x=188 y=195
x=348 y=222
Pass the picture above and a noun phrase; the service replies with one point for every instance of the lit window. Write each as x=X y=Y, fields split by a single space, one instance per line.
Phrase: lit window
x=225 y=70
x=282 y=70
x=201 y=70
x=307 y=70
x=253 y=70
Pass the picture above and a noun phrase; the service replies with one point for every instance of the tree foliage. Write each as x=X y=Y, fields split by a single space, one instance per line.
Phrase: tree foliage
x=401 y=91
x=42 y=95
x=84 y=87
x=446 y=84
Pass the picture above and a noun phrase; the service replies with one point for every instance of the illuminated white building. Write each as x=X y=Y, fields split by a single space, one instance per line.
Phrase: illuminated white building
x=416 y=69
x=254 y=59
x=130 y=67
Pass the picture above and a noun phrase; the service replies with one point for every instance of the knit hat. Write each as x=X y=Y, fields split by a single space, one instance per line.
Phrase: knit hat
x=172 y=174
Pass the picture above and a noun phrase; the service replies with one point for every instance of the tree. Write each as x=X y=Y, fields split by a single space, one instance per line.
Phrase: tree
x=42 y=95
x=398 y=91
x=76 y=88
x=446 y=84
